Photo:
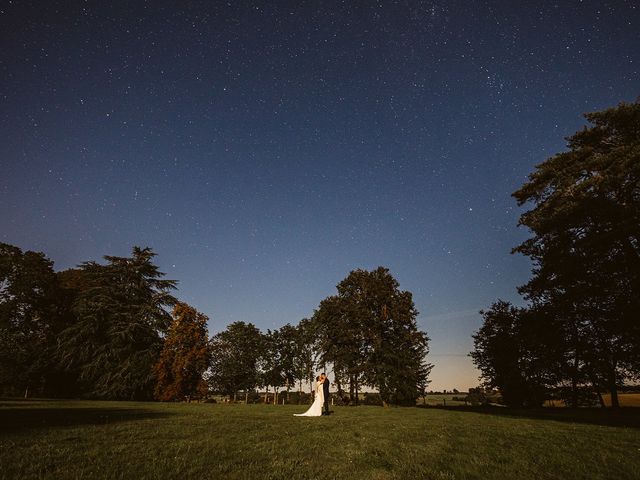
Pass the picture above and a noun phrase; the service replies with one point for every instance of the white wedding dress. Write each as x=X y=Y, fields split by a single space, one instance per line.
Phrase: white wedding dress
x=315 y=410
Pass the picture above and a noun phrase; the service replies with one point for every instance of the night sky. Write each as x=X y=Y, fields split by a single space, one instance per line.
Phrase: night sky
x=264 y=151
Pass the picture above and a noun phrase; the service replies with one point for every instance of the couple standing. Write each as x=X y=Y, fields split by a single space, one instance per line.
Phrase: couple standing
x=322 y=398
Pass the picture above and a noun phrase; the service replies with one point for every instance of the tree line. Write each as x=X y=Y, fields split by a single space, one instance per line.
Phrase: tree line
x=579 y=333
x=115 y=330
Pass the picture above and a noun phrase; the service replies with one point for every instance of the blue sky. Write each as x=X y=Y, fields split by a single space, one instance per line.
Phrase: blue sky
x=264 y=151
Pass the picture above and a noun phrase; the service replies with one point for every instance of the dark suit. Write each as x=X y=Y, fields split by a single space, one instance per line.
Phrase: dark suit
x=325 y=391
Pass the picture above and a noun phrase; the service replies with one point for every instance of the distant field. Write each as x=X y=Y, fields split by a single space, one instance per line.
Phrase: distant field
x=625 y=399
x=134 y=440
x=446 y=399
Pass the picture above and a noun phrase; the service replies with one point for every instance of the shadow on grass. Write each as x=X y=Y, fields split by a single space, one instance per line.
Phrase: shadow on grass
x=28 y=418
x=622 y=417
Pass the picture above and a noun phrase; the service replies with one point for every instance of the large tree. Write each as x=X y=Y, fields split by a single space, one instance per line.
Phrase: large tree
x=184 y=357
x=235 y=353
x=287 y=346
x=305 y=352
x=120 y=317
x=585 y=220
x=272 y=363
x=342 y=341
x=29 y=321
x=368 y=331
x=508 y=353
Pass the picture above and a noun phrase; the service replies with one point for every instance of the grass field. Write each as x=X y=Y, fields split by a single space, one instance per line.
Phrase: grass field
x=100 y=440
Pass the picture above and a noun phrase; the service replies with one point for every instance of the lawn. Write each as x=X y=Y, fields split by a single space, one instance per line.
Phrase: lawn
x=110 y=440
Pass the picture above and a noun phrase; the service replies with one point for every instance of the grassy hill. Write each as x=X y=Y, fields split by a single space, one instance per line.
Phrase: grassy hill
x=80 y=439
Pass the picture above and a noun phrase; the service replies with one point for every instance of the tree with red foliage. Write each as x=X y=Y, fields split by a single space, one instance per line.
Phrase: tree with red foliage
x=184 y=357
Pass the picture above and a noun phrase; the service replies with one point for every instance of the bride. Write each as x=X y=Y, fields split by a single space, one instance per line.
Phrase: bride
x=315 y=410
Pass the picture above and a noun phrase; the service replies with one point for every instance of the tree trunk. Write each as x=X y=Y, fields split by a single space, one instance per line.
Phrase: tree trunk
x=574 y=370
x=384 y=397
x=574 y=382
x=613 y=387
x=338 y=386
x=351 y=390
x=596 y=389
x=357 y=393
x=246 y=397
x=596 y=385
x=615 y=403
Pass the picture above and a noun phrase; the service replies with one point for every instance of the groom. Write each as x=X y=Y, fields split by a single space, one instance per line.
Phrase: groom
x=325 y=391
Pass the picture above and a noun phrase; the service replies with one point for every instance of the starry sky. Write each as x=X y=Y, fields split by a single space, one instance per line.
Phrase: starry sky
x=264 y=150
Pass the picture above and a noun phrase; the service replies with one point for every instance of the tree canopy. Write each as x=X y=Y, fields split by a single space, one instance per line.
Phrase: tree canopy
x=120 y=315
x=584 y=218
x=184 y=357
x=235 y=353
x=29 y=320
x=368 y=332
x=103 y=330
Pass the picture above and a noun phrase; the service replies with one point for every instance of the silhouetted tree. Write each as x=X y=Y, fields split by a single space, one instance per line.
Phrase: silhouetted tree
x=342 y=341
x=305 y=352
x=369 y=333
x=585 y=247
x=508 y=356
x=184 y=356
x=120 y=315
x=29 y=320
x=64 y=381
x=287 y=347
x=234 y=359
x=272 y=367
